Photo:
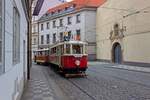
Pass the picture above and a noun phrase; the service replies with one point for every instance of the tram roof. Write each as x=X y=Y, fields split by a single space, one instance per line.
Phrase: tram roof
x=68 y=42
x=45 y=49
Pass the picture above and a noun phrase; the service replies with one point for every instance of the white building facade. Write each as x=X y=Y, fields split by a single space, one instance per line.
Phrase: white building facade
x=79 y=24
x=35 y=33
x=13 y=49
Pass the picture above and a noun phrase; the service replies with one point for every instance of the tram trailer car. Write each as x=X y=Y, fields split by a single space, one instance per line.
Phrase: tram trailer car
x=41 y=56
x=69 y=56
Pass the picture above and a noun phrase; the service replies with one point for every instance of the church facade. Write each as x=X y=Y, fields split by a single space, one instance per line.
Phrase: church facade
x=123 y=32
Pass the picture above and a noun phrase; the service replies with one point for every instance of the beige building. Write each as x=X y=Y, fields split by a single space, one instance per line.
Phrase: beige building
x=123 y=32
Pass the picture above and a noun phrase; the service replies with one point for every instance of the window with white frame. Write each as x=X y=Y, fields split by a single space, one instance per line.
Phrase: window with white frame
x=1 y=37
x=60 y=22
x=61 y=36
x=54 y=24
x=69 y=20
x=42 y=39
x=78 y=18
x=47 y=39
x=16 y=36
x=47 y=25
x=0 y=31
x=54 y=37
x=78 y=34
x=42 y=27
x=34 y=40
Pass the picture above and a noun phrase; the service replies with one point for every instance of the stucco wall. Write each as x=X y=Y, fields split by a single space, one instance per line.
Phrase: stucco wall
x=135 y=44
x=12 y=80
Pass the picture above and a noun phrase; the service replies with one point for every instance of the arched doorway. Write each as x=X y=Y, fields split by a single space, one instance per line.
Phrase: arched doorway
x=117 y=53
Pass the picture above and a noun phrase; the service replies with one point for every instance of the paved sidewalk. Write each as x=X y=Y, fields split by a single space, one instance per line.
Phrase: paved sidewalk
x=38 y=87
x=134 y=68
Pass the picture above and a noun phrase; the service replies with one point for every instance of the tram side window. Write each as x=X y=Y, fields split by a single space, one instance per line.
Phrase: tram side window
x=58 y=50
x=67 y=48
x=40 y=53
x=86 y=49
x=77 y=49
x=62 y=49
x=53 y=50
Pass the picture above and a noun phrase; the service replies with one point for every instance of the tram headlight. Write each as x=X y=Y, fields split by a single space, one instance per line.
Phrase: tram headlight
x=77 y=62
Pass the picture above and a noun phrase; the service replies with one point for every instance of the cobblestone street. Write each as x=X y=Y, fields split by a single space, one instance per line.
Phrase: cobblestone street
x=37 y=87
x=102 y=83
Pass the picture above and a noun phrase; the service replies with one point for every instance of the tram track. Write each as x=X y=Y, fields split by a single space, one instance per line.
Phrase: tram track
x=83 y=90
x=72 y=83
x=93 y=87
x=97 y=72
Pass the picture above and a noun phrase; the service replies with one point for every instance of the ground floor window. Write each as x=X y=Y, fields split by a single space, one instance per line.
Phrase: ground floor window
x=16 y=36
x=1 y=36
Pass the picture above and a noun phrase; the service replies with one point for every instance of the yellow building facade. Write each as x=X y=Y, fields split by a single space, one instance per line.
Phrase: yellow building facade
x=123 y=32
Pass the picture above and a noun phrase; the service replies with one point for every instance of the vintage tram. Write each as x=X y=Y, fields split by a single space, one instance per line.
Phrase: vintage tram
x=68 y=56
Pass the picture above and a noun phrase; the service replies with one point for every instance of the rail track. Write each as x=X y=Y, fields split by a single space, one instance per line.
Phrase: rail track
x=83 y=90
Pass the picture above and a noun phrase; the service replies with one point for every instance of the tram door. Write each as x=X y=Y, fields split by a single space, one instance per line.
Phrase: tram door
x=117 y=54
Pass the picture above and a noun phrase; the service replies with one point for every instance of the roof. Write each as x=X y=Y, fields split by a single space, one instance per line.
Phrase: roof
x=68 y=42
x=77 y=4
x=45 y=49
x=38 y=7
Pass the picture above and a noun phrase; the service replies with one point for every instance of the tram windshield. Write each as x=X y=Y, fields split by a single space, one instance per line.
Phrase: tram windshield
x=77 y=49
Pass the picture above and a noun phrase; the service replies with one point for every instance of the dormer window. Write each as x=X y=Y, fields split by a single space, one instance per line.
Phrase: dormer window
x=74 y=5
x=52 y=13
x=66 y=8
x=46 y=14
x=59 y=11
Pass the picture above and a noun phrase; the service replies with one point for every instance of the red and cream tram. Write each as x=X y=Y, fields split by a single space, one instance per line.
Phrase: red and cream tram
x=69 y=56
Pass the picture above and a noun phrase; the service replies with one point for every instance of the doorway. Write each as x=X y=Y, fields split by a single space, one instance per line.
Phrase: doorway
x=117 y=53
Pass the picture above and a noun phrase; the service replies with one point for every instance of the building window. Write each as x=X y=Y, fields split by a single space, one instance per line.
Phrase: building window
x=61 y=22
x=69 y=35
x=54 y=24
x=34 y=40
x=59 y=10
x=54 y=37
x=34 y=28
x=69 y=20
x=66 y=8
x=61 y=36
x=42 y=39
x=16 y=36
x=52 y=13
x=42 y=27
x=78 y=18
x=78 y=35
x=47 y=25
x=47 y=39
x=1 y=37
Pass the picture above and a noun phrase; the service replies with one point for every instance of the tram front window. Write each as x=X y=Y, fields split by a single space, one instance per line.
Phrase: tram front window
x=67 y=48
x=77 y=49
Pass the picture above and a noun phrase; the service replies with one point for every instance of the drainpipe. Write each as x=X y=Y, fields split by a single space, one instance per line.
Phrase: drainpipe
x=29 y=38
